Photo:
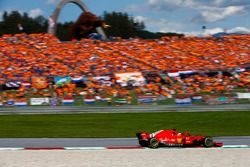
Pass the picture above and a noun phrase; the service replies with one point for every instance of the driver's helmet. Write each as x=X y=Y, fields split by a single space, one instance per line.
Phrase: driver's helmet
x=179 y=134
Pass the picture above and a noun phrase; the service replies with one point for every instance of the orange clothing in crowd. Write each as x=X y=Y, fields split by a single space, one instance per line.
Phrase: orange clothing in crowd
x=24 y=57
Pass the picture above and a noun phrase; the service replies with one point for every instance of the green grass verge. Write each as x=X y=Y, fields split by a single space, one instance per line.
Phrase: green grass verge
x=124 y=124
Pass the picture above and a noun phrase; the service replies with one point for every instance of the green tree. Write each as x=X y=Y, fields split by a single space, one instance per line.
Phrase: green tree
x=10 y=22
x=63 y=31
x=122 y=25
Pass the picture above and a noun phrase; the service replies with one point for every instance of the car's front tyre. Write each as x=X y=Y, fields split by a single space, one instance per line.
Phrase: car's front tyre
x=208 y=142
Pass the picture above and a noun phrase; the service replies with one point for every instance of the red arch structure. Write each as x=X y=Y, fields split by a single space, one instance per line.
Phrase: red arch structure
x=56 y=13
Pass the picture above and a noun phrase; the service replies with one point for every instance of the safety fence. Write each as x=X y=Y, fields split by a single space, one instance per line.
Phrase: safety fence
x=127 y=100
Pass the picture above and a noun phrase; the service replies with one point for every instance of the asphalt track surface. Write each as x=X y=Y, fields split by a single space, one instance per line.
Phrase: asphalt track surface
x=121 y=109
x=97 y=142
x=105 y=142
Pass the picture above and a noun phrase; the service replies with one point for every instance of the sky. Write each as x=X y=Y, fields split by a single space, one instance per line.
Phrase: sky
x=180 y=16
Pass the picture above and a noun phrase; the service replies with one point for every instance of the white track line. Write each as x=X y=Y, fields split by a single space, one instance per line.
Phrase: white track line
x=106 y=148
x=84 y=148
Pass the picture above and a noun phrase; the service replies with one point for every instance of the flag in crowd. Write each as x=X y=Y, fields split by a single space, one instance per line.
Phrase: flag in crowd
x=60 y=81
x=21 y=102
x=89 y=100
x=68 y=101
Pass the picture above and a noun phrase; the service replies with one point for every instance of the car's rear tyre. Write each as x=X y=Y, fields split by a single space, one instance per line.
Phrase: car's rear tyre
x=153 y=143
x=208 y=142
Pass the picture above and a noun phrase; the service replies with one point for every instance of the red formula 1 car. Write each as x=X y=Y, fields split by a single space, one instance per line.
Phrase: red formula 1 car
x=172 y=138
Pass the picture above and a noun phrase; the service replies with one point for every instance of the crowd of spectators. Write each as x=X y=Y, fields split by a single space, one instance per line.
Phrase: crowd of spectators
x=24 y=57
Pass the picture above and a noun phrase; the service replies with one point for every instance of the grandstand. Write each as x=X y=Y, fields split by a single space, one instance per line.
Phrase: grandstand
x=41 y=65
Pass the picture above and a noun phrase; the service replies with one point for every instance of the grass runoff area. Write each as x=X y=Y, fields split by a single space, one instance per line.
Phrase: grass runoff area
x=123 y=124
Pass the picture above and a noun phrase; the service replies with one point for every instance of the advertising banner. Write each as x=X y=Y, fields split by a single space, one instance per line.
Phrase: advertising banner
x=121 y=101
x=243 y=95
x=219 y=100
x=147 y=99
x=53 y=101
x=39 y=101
x=10 y=102
x=183 y=101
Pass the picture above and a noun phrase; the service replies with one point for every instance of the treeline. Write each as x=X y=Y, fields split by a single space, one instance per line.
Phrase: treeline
x=11 y=21
x=121 y=25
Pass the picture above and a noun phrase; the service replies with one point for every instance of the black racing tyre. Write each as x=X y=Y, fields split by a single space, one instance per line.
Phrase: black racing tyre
x=143 y=143
x=153 y=143
x=208 y=142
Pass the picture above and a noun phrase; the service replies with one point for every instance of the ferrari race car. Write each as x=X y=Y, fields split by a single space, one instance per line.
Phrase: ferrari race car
x=172 y=138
